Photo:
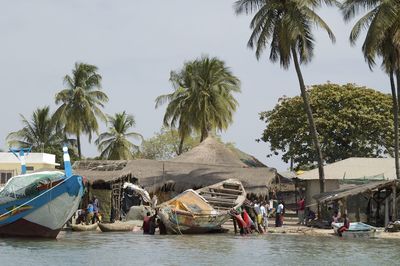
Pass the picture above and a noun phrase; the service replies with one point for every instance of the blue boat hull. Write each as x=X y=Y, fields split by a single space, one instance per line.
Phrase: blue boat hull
x=42 y=215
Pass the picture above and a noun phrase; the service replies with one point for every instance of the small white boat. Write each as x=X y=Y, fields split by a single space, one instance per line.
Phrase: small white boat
x=356 y=230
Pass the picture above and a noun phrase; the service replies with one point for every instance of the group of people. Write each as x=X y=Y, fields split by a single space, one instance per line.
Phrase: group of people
x=252 y=217
x=91 y=214
x=151 y=222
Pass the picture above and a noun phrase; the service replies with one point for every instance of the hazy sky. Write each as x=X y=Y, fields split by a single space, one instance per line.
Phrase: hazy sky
x=136 y=44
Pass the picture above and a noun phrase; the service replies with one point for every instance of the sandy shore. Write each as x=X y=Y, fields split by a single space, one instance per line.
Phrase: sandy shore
x=291 y=228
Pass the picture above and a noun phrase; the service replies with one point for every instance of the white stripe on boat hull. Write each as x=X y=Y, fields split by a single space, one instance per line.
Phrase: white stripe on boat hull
x=55 y=213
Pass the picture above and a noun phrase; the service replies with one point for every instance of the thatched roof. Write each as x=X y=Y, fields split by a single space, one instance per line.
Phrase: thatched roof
x=356 y=168
x=180 y=175
x=355 y=190
x=246 y=158
x=211 y=152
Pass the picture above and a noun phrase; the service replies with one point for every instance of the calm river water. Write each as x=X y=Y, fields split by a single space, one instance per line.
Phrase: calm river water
x=96 y=248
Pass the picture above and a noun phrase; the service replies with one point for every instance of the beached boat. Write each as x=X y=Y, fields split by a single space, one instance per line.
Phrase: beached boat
x=356 y=230
x=201 y=211
x=119 y=227
x=39 y=204
x=84 y=227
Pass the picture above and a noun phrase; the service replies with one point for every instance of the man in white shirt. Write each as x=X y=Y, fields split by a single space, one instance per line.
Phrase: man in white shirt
x=279 y=214
x=264 y=209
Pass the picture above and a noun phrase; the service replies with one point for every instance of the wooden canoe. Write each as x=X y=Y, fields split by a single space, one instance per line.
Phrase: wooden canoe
x=118 y=227
x=84 y=227
x=202 y=211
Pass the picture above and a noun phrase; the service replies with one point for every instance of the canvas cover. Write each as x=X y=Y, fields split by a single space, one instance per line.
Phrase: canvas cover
x=190 y=201
x=23 y=186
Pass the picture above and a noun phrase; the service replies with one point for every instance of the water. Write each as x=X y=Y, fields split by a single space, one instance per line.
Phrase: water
x=96 y=248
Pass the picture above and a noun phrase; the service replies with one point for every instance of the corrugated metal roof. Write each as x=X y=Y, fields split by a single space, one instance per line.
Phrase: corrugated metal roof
x=356 y=168
x=343 y=193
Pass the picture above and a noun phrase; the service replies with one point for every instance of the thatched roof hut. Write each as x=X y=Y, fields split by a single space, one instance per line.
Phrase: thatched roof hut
x=211 y=152
x=208 y=163
x=175 y=176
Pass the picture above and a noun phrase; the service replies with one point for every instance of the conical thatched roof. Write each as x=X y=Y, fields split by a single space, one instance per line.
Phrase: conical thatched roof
x=210 y=152
x=246 y=158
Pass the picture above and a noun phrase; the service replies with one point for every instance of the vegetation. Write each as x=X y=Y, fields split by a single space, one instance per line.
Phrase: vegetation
x=40 y=133
x=114 y=144
x=81 y=102
x=286 y=27
x=352 y=121
x=202 y=100
x=166 y=144
x=382 y=22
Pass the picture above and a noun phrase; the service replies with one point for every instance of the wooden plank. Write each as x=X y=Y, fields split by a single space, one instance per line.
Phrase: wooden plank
x=218 y=194
x=219 y=199
x=231 y=191
x=221 y=203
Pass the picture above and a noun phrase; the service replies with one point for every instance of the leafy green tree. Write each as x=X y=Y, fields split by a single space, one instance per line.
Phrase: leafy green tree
x=166 y=145
x=382 y=22
x=40 y=133
x=202 y=100
x=352 y=121
x=115 y=144
x=286 y=27
x=81 y=102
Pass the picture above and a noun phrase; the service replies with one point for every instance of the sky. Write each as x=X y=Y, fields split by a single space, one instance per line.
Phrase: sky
x=136 y=44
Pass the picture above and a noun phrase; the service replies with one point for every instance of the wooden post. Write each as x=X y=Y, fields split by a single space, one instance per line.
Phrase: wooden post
x=394 y=198
x=344 y=206
x=234 y=224
x=386 y=211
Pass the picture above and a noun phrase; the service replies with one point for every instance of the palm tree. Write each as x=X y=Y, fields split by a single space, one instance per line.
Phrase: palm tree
x=115 y=144
x=81 y=102
x=286 y=26
x=40 y=132
x=382 y=22
x=202 y=99
x=176 y=115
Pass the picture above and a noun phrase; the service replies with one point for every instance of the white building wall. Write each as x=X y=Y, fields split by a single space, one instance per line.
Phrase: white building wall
x=312 y=188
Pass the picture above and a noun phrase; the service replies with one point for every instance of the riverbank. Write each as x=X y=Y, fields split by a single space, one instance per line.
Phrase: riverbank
x=291 y=228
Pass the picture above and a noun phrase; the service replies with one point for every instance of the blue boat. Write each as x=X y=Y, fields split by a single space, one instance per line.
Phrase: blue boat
x=39 y=204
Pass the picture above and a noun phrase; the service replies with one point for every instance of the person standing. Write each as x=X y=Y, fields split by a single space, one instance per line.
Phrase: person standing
x=146 y=224
x=279 y=214
x=96 y=216
x=264 y=212
x=300 y=210
x=258 y=214
x=89 y=212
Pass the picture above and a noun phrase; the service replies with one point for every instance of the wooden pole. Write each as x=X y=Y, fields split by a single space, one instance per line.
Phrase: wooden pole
x=386 y=211
x=394 y=198
x=234 y=224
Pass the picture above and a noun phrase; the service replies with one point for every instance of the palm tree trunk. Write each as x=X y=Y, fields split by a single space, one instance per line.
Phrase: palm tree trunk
x=311 y=123
x=78 y=142
x=395 y=120
x=204 y=134
x=181 y=145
